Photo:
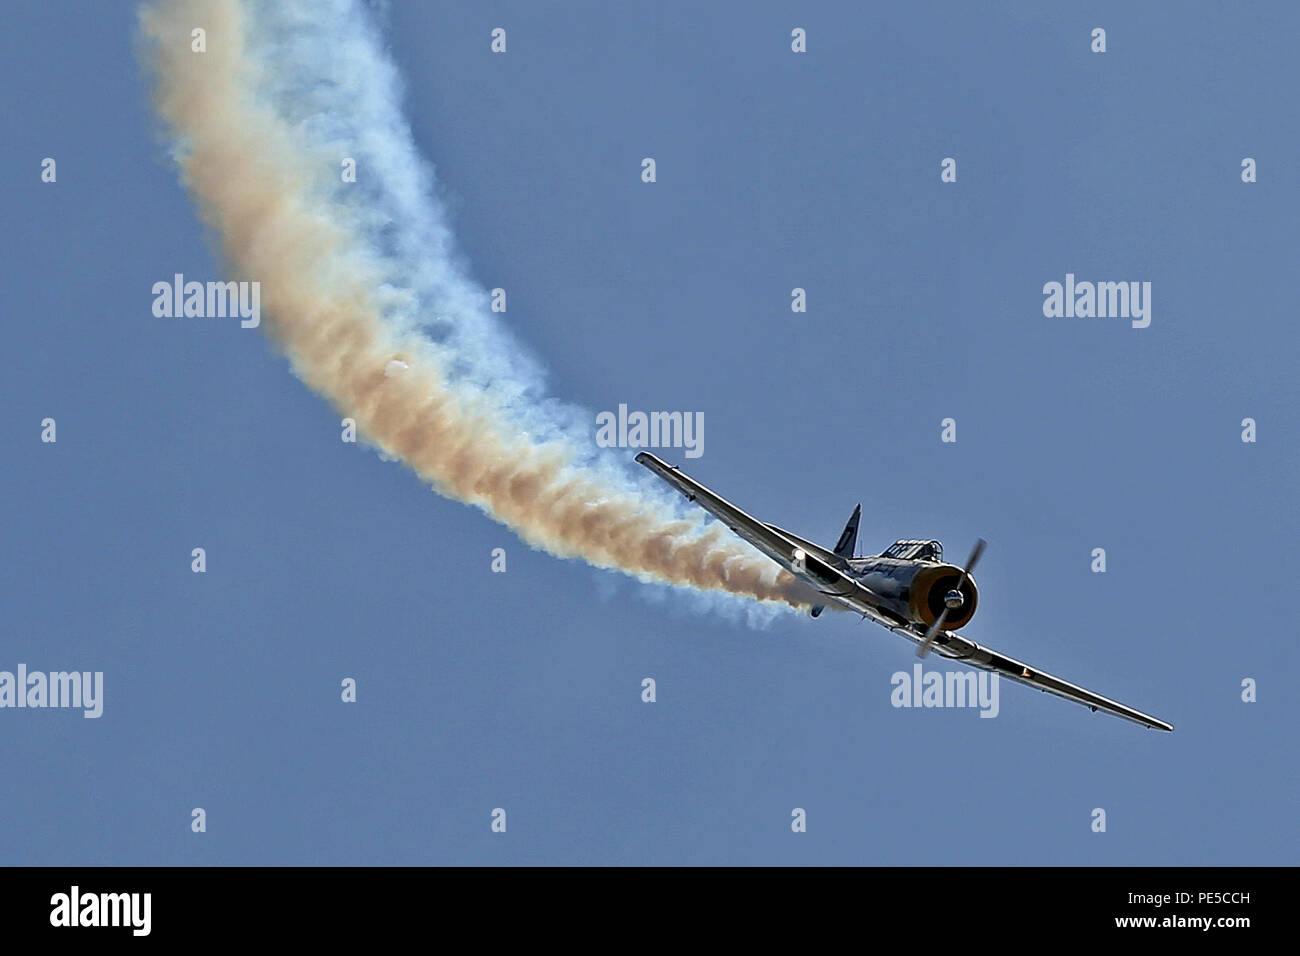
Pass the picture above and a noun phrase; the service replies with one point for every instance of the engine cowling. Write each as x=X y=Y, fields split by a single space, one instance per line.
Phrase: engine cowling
x=930 y=589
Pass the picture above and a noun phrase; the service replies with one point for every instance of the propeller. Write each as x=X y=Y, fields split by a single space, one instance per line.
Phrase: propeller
x=953 y=600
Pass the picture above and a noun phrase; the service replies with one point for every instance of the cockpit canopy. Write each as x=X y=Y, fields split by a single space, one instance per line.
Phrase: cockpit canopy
x=910 y=549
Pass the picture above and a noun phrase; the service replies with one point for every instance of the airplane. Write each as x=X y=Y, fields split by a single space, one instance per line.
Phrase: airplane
x=907 y=588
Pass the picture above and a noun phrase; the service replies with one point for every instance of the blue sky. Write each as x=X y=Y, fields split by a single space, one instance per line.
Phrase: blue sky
x=522 y=690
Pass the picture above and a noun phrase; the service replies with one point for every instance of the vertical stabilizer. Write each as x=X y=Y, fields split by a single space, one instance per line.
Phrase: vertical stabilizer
x=848 y=542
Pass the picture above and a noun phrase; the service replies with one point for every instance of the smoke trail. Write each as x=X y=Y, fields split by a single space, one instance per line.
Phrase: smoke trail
x=364 y=292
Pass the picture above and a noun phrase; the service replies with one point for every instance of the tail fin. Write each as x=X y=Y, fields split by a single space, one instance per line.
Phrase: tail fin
x=848 y=542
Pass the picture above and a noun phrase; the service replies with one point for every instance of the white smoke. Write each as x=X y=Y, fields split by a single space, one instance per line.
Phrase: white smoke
x=364 y=289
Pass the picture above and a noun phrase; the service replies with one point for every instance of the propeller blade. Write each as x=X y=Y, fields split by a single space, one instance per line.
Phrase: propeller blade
x=972 y=561
x=933 y=632
x=930 y=634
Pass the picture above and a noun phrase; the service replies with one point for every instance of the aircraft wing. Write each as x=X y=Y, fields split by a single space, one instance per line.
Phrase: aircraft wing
x=821 y=569
x=767 y=539
x=955 y=647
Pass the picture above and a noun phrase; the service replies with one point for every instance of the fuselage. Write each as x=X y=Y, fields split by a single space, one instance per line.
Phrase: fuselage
x=907 y=583
x=915 y=590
